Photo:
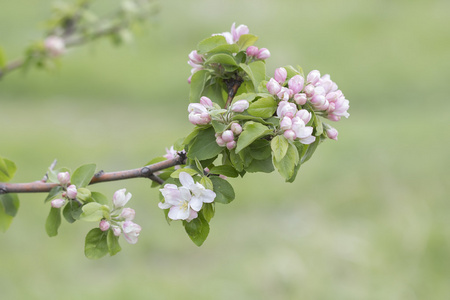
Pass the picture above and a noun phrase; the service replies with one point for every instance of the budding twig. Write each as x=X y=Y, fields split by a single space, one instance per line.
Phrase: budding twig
x=144 y=172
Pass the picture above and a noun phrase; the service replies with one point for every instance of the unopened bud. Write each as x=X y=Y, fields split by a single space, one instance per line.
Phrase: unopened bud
x=116 y=230
x=231 y=145
x=205 y=101
x=300 y=99
x=280 y=75
x=290 y=134
x=240 y=106
x=227 y=136
x=236 y=128
x=64 y=178
x=58 y=203
x=296 y=83
x=128 y=214
x=252 y=51
x=104 y=225
x=72 y=191
x=313 y=77
x=263 y=53
x=220 y=142
x=54 y=45
x=273 y=86
x=332 y=133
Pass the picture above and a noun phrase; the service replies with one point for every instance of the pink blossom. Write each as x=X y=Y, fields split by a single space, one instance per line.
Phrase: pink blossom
x=220 y=141
x=280 y=75
x=240 y=106
x=285 y=94
x=170 y=153
x=237 y=32
x=55 y=45
x=231 y=145
x=296 y=83
x=64 y=178
x=58 y=203
x=286 y=123
x=313 y=77
x=198 y=114
x=252 y=51
x=227 y=136
x=302 y=132
x=116 y=230
x=286 y=109
x=131 y=231
x=236 y=128
x=304 y=115
x=195 y=57
x=273 y=87
x=332 y=133
x=300 y=98
x=120 y=198
x=263 y=54
x=128 y=214
x=206 y=102
x=290 y=134
x=104 y=225
x=72 y=191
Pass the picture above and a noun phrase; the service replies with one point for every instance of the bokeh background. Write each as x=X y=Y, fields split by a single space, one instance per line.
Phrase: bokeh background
x=367 y=218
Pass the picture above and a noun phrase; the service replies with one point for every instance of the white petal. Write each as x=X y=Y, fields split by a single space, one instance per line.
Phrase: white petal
x=308 y=140
x=208 y=196
x=186 y=179
x=196 y=203
x=178 y=213
x=164 y=205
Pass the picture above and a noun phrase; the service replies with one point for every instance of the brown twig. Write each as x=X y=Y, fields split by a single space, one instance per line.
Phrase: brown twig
x=144 y=172
x=233 y=85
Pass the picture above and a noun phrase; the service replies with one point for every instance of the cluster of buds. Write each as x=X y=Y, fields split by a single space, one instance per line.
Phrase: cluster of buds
x=70 y=190
x=321 y=92
x=121 y=219
x=293 y=123
x=255 y=53
x=54 y=45
x=185 y=202
x=199 y=112
x=228 y=137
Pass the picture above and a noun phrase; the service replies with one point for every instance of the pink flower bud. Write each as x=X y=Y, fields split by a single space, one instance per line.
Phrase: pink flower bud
x=128 y=214
x=290 y=135
x=263 y=53
x=120 y=198
x=54 y=45
x=231 y=145
x=58 y=203
x=237 y=32
x=296 y=83
x=285 y=94
x=240 y=106
x=286 y=123
x=313 y=77
x=252 y=51
x=227 y=136
x=304 y=115
x=309 y=90
x=332 y=133
x=205 y=101
x=280 y=75
x=333 y=117
x=72 y=191
x=195 y=57
x=300 y=99
x=273 y=87
x=116 y=230
x=104 y=225
x=236 y=128
x=220 y=142
x=131 y=231
x=64 y=178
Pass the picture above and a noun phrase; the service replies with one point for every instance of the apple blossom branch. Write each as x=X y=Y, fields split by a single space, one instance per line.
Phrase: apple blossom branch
x=144 y=172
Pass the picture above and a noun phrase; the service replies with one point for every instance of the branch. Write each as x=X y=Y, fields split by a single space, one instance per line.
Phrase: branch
x=144 y=172
x=233 y=85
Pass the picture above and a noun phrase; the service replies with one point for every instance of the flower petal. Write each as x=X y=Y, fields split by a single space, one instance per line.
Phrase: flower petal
x=186 y=179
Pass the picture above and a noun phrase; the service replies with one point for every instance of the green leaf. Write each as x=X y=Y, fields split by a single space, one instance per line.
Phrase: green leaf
x=9 y=205
x=219 y=127
x=260 y=149
x=279 y=145
x=198 y=82
x=256 y=71
x=72 y=211
x=208 y=211
x=263 y=107
x=53 y=193
x=96 y=245
x=210 y=43
x=251 y=132
x=197 y=229
x=226 y=170
x=190 y=171
x=223 y=189
x=301 y=149
x=286 y=166
x=191 y=136
x=206 y=182
x=83 y=175
x=311 y=148
x=113 y=243
x=53 y=222
x=221 y=58
x=291 y=71
x=93 y=212
x=228 y=48
x=236 y=160
x=245 y=96
x=7 y=169
x=99 y=198
x=204 y=145
x=245 y=117
x=246 y=40
x=83 y=194
x=265 y=166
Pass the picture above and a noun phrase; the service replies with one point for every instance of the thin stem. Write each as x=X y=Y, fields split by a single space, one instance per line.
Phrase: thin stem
x=233 y=85
x=144 y=172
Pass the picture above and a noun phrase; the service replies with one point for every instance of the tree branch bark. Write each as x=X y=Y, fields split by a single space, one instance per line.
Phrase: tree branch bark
x=144 y=172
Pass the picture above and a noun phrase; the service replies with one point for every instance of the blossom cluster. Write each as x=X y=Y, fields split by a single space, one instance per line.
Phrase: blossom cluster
x=228 y=137
x=199 y=112
x=120 y=220
x=293 y=123
x=186 y=201
x=319 y=91
x=70 y=190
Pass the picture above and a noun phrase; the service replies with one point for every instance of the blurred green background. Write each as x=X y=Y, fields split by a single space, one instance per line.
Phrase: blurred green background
x=367 y=218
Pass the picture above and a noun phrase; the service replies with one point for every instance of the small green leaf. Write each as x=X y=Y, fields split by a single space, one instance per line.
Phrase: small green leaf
x=256 y=71
x=197 y=229
x=279 y=145
x=221 y=58
x=190 y=171
x=83 y=194
x=72 y=211
x=204 y=145
x=219 y=127
x=251 y=132
x=99 y=198
x=260 y=149
x=92 y=212
x=210 y=43
x=198 y=82
x=311 y=148
x=286 y=166
x=53 y=222
x=225 y=170
x=236 y=160
x=291 y=71
x=263 y=107
x=246 y=40
x=208 y=211
x=301 y=150
x=265 y=166
x=9 y=205
x=192 y=135
x=83 y=175
x=113 y=243
x=223 y=189
x=53 y=193
x=96 y=245
x=7 y=169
